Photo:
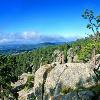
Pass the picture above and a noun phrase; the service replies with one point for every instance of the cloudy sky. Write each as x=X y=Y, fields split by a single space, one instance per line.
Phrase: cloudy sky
x=31 y=38
x=34 y=21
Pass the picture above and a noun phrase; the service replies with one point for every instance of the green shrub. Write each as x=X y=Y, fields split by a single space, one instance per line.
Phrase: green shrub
x=29 y=83
x=66 y=89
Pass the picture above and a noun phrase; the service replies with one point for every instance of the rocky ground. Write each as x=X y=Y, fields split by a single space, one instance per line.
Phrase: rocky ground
x=62 y=81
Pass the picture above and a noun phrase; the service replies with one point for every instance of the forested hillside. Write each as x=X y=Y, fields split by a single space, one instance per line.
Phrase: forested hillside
x=12 y=66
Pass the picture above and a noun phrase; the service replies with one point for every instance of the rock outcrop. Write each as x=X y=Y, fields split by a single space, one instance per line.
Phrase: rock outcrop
x=58 y=56
x=22 y=80
x=82 y=95
x=26 y=95
x=71 y=75
x=20 y=85
x=97 y=58
x=51 y=78
x=70 y=55
x=39 y=81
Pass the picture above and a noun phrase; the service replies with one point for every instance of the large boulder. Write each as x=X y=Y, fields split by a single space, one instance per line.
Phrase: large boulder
x=39 y=81
x=51 y=79
x=70 y=75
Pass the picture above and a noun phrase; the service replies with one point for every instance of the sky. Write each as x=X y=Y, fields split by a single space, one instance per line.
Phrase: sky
x=35 y=21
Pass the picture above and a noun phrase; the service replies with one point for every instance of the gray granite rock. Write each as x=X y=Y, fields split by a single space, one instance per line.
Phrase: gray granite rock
x=73 y=75
x=82 y=95
x=70 y=55
x=58 y=56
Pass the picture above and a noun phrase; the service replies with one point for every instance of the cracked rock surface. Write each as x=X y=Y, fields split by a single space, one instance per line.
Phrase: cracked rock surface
x=48 y=78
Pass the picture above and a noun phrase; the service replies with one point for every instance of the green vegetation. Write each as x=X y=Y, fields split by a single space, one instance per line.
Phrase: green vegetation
x=66 y=89
x=95 y=89
x=94 y=25
x=12 y=66
x=29 y=84
x=84 y=48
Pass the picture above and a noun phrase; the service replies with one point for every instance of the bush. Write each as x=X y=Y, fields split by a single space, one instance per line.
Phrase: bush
x=66 y=89
x=29 y=83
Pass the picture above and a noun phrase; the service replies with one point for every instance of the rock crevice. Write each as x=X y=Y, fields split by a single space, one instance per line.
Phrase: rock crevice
x=40 y=79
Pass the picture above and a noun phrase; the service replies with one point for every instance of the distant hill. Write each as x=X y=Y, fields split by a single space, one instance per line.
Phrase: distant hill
x=17 y=48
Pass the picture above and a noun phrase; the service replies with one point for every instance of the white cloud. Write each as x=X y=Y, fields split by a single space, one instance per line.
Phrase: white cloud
x=4 y=41
x=30 y=37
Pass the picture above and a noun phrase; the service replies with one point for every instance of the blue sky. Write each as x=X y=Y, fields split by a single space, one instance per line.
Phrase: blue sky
x=29 y=20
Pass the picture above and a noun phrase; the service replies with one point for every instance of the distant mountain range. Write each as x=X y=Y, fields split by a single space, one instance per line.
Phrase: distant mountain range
x=17 y=48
